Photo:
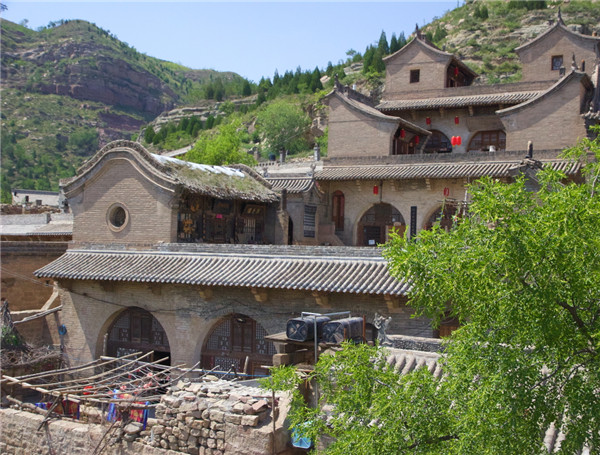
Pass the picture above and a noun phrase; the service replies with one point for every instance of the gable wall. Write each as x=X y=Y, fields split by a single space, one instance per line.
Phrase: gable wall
x=537 y=58
x=552 y=123
x=397 y=73
x=151 y=218
x=352 y=134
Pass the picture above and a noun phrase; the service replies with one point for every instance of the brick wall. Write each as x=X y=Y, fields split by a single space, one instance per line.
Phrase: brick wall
x=19 y=260
x=554 y=122
x=537 y=58
x=427 y=196
x=431 y=66
x=151 y=218
x=353 y=133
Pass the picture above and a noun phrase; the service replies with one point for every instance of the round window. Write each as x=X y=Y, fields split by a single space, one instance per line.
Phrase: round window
x=117 y=217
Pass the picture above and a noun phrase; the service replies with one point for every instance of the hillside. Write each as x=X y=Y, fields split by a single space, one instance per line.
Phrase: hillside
x=72 y=87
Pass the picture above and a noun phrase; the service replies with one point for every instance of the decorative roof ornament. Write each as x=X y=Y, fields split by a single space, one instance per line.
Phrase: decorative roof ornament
x=560 y=19
x=418 y=32
x=573 y=63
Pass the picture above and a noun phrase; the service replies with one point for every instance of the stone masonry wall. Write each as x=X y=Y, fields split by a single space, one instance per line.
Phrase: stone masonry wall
x=198 y=418
x=217 y=418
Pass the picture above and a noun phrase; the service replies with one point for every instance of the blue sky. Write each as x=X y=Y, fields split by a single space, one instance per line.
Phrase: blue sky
x=250 y=38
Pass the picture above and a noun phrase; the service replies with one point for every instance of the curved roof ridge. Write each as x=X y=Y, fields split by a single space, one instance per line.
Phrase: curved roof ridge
x=558 y=25
x=422 y=42
x=372 y=112
x=215 y=181
x=544 y=94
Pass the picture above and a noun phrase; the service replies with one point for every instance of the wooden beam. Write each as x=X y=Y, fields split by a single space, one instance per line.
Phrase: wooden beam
x=39 y=315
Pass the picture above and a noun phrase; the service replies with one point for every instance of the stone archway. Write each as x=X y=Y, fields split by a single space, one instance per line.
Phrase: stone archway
x=237 y=342
x=376 y=224
x=137 y=330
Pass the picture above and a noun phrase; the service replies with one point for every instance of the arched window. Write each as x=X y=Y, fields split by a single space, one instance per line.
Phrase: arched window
x=488 y=141
x=234 y=339
x=376 y=224
x=337 y=210
x=445 y=215
x=137 y=330
x=438 y=143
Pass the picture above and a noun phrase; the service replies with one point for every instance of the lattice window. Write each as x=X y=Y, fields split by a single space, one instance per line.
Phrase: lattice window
x=310 y=218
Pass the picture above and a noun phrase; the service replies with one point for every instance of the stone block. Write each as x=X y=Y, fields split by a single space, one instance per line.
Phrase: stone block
x=236 y=419
x=211 y=443
x=250 y=420
x=217 y=415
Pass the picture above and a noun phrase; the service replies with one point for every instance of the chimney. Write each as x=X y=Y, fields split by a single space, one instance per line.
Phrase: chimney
x=529 y=150
x=317 y=154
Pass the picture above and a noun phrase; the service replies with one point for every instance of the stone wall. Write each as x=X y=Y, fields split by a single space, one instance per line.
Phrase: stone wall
x=217 y=418
x=201 y=418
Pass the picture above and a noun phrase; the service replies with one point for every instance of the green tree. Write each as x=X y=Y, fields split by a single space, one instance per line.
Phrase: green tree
x=283 y=126
x=84 y=141
x=383 y=45
x=521 y=272
x=394 y=45
x=149 y=134
x=221 y=147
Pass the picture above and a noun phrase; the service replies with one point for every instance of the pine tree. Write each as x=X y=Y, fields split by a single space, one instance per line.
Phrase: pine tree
x=246 y=89
x=394 y=46
x=383 y=45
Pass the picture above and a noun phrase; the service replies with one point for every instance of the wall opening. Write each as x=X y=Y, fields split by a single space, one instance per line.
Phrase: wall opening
x=137 y=330
x=234 y=339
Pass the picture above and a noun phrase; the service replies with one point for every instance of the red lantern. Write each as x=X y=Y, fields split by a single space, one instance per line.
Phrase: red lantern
x=417 y=139
x=456 y=120
x=453 y=141
x=402 y=133
x=458 y=140
x=376 y=189
x=428 y=120
x=446 y=192
x=456 y=71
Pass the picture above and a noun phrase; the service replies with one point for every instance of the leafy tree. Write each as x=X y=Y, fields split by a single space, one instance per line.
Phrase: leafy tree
x=521 y=272
x=149 y=134
x=283 y=125
x=221 y=147
x=84 y=141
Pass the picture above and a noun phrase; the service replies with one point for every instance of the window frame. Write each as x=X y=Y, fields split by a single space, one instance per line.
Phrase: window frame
x=415 y=76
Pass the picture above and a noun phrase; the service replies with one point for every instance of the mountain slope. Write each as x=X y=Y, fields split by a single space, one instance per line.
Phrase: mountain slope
x=73 y=87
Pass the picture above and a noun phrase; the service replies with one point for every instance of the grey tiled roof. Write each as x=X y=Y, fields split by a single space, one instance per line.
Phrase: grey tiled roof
x=406 y=361
x=432 y=170
x=459 y=101
x=291 y=184
x=351 y=270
